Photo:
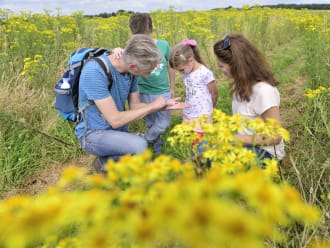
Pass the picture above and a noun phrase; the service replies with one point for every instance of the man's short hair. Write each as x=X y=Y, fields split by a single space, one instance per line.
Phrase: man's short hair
x=142 y=50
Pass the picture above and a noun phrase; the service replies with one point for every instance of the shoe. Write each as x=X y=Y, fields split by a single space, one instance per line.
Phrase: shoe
x=142 y=135
x=96 y=167
x=158 y=144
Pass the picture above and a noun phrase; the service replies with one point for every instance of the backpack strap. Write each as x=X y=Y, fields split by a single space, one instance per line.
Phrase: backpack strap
x=106 y=69
x=103 y=64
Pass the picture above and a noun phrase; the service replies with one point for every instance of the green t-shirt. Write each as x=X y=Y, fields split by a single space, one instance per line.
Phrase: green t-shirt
x=158 y=81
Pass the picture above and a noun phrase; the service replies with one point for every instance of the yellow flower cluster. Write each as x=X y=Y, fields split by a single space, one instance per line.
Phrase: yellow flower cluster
x=221 y=146
x=148 y=203
x=314 y=93
x=32 y=67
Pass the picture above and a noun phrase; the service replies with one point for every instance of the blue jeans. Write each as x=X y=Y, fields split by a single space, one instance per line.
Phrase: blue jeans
x=156 y=122
x=261 y=153
x=112 y=144
x=200 y=143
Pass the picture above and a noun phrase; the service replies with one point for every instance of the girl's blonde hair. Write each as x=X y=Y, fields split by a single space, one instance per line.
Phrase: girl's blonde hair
x=181 y=53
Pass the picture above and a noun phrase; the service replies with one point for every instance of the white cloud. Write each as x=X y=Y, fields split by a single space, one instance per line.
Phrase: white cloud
x=101 y=6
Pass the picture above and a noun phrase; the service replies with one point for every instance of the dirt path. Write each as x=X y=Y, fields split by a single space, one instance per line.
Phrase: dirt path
x=47 y=177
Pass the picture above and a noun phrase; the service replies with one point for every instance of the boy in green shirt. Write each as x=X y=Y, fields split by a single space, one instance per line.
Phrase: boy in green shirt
x=160 y=82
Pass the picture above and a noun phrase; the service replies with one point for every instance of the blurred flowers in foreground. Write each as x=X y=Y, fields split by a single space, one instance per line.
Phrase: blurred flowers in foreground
x=144 y=202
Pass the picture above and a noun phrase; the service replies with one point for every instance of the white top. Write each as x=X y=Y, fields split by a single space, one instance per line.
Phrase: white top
x=197 y=93
x=264 y=96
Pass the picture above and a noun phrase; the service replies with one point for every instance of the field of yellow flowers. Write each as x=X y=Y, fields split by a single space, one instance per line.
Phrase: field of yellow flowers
x=170 y=200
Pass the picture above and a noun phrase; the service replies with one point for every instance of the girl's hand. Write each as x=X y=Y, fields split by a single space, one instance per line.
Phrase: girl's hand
x=172 y=101
x=118 y=52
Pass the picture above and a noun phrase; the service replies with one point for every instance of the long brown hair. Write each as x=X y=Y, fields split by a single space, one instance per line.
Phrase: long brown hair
x=247 y=64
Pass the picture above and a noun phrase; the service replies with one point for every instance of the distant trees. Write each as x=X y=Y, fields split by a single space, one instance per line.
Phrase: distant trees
x=301 y=6
x=312 y=6
x=106 y=15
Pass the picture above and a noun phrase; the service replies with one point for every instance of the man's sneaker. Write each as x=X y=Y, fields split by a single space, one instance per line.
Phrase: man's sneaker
x=158 y=144
x=140 y=134
x=96 y=167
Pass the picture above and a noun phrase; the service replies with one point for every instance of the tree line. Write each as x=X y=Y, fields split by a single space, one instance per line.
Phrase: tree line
x=312 y=6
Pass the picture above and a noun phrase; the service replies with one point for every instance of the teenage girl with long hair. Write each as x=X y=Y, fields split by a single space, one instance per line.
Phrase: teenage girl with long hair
x=253 y=90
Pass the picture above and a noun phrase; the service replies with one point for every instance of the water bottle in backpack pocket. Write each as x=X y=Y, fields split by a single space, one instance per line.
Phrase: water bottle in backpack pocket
x=64 y=102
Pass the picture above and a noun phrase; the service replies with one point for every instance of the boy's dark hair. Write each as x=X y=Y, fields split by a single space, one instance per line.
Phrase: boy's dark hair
x=140 y=23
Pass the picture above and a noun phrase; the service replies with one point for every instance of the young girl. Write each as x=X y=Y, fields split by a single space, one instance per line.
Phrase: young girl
x=253 y=90
x=201 y=90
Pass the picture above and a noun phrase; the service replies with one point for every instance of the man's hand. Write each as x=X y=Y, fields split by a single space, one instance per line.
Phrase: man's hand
x=159 y=103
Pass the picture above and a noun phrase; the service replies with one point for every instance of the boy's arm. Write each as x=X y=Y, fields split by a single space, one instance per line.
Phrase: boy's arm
x=171 y=75
x=118 y=52
x=134 y=101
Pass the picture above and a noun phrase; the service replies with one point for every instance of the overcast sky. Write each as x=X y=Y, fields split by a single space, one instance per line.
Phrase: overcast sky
x=108 y=6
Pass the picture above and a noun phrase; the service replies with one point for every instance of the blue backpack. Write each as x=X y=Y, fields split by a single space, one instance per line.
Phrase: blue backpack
x=67 y=88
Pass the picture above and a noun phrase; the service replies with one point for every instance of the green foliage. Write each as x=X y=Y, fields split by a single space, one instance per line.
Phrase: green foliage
x=183 y=152
x=224 y=99
x=25 y=149
x=18 y=155
x=316 y=136
x=310 y=157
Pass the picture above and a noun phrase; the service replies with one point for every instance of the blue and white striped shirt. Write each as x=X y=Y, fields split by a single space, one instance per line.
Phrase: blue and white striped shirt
x=93 y=85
